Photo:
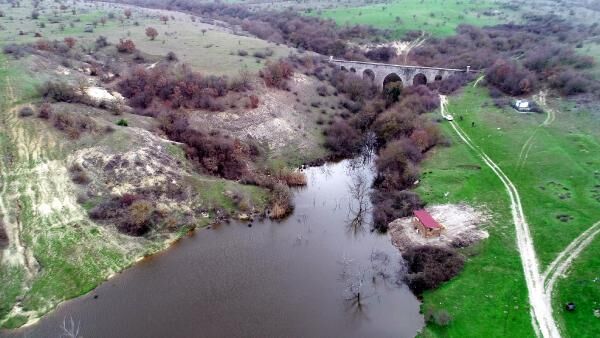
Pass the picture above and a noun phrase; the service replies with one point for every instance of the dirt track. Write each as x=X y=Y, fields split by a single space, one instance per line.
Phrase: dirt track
x=550 y=117
x=541 y=308
x=564 y=260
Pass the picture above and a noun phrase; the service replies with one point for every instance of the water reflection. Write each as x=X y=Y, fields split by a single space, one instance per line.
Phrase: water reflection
x=319 y=273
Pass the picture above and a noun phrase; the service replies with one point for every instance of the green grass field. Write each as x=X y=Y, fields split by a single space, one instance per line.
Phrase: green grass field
x=561 y=162
x=592 y=49
x=437 y=17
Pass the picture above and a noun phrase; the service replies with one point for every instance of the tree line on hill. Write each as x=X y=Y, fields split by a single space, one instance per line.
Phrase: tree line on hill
x=519 y=59
x=303 y=32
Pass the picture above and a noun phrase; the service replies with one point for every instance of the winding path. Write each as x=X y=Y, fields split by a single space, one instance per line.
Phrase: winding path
x=564 y=260
x=541 y=309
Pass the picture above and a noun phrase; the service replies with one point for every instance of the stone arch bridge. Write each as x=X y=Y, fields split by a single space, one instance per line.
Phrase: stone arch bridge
x=383 y=73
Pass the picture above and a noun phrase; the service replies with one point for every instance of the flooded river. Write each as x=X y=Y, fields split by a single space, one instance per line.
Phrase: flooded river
x=319 y=273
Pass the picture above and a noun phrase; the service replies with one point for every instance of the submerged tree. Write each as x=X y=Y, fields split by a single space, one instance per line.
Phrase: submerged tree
x=359 y=204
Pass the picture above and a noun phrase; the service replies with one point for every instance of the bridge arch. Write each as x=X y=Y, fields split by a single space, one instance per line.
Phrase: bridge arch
x=368 y=74
x=392 y=78
x=344 y=69
x=438 y=77
x=419 y=79
x=353 y=70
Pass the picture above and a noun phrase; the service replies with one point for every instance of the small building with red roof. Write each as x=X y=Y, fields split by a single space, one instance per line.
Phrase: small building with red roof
x=425 y=225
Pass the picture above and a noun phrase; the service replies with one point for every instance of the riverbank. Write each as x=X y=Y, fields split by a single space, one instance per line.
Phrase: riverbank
x=263 y=280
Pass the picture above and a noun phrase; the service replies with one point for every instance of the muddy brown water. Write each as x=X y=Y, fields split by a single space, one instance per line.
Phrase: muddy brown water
x=296 y=278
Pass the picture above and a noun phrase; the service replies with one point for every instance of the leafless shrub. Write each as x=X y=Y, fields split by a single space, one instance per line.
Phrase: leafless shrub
x=276 y=74
x=430 y=266
x=58 y=91
x=281 y=201
x=3 y=236
x=291 y=178
x=78 y=174
x=73 y=124
x=390 y=205
x=26 y=111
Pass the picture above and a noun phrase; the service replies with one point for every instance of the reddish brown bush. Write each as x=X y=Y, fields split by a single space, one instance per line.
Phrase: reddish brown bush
x=254 y=101
x=174 y=86
x=42 y=44
x=45 y=111
x=70 y=42
x=510 y=78
x=395 y=123
x=151 y=33
x=357 y=88
x=424 y=138
x=343 y=140
x=78 y=174
x=276 y=74
x=430 y=266
x=125 y=46
x=214 y=152
x=396 y=169
x=137 y=221
x=72 y=124
x=291 y=178
x=391 y=205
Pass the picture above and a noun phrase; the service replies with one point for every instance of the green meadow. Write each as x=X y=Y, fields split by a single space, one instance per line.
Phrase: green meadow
x=555 y=178
x=437 y=17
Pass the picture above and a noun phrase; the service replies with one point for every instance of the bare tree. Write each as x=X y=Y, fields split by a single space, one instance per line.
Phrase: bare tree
x=358 y=204
x=70 y=328
x=354 y=278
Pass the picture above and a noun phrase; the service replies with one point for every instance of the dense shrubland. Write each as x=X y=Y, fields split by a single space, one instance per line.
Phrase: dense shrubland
x=519 y=58
x=137 y=213
x=216 y=153
x=221 y=155
x=177 y=86
x=392 y=123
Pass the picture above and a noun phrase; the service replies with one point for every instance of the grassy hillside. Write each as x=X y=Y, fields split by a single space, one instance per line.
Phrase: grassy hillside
x=438 y=17
x=62 y=253
x=208 y=48
x=555 y=179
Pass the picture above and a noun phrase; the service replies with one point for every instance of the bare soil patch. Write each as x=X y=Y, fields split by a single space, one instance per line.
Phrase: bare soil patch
x=278 y=121
x=462 y=227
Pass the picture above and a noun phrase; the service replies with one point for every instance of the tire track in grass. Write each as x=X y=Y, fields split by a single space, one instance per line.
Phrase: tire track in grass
x=541 y=310
x=550 y=117
x=564 y=259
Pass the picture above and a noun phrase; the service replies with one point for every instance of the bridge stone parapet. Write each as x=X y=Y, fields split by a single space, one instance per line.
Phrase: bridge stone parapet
x=382 y=73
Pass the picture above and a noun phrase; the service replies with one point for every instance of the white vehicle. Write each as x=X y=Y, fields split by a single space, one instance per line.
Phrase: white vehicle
x=449 y=117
